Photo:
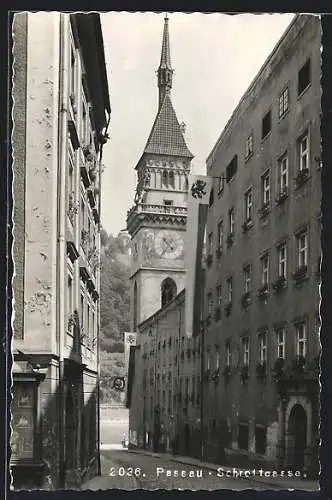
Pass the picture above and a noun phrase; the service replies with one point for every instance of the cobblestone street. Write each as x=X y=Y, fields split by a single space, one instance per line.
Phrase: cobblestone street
x=127 y=470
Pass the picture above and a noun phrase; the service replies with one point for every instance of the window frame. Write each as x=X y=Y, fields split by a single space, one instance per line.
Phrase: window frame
x=262 y=343
x=249 y=147
x=303 y=341
x=245 y=344
x=282 y=262
x=266 y=200
x=267 y=114
x=265 y=270
x=283 y=172
x=231 y=221
x=220 y=233
x=279 y=342
x=229 y=289
x=300 y=91
x=283 y=109
x=248 y=203
x=247 y=275
x=300 y=250
x=305 y=153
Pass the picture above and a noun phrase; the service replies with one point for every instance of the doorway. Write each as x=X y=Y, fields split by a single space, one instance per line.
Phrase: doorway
x=297 y=432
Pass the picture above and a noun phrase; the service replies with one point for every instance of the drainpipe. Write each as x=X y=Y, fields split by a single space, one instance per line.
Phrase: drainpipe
x=98 y=308
x=63 y=127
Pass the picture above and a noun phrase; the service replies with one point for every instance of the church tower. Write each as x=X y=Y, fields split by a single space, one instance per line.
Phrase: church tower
x=157 y=221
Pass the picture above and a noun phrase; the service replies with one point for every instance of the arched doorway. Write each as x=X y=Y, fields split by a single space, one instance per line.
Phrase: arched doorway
x=297 y=435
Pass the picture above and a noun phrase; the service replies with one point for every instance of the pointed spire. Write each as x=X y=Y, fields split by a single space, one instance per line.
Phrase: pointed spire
x=165 y=59
x=165 y=72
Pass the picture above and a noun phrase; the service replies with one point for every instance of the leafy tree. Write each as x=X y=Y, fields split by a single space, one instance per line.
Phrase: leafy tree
x=114 y=313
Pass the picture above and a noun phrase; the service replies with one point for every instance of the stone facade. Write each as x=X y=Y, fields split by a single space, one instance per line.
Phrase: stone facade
x=60 y=116
x=264 y=332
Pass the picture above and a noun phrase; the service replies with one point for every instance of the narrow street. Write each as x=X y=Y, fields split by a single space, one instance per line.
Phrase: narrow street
x=126 y=470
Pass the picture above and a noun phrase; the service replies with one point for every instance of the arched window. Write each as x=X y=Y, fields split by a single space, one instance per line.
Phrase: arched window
x=135 y=306
x=164 y=178
x=171 y=179
x=186 y=184
x=168 y=291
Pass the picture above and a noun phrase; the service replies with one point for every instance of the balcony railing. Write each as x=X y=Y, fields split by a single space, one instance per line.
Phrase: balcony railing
x=157 y=209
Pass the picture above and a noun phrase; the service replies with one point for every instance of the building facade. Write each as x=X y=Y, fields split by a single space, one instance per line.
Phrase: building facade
x=157 y=221
x=60 y=115
x=261 y=326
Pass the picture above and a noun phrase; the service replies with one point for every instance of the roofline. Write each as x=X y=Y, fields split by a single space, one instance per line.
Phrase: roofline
x=101 y=50
x=254 y=81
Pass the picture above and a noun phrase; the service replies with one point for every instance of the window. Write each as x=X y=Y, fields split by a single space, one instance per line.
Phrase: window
x=82 y=213
x=265 y=269
x=249 y=147
x=262 y=339
x=23 y=409
x=304 y=77
x=245 y=350
x=283 y=173
x=171 y=179
x=228 y=354
x=260 y=439
x=219 y=295
x=248 y=205
x=70 y=309
x=231 y=221
x=220 y=234
x=302 y=249
x=208 y=361
x=84 y=122
x=72 y=73
x=281 y=343
x=217 y=360
x=301 y=340
x=283 y=102
x=247 y=278
x=168 y=291
x=210 y=243
x=231 y=169
x=266 y=124
x=303 y=145
x=168 y=203
x=243 y=436
x=164 y=179
x=210 y=304
x=266 y=188
x=221 y=181
x=282 y=260
x=229 y=290
x=82 y=310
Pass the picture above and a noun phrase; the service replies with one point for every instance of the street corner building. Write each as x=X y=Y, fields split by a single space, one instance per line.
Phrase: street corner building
x=60 y=115
x=263 y=264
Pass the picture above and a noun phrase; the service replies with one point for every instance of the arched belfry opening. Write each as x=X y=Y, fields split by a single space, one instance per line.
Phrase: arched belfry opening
x=168 y=291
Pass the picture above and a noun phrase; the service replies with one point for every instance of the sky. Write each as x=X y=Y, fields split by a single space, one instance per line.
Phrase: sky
x=214 y=56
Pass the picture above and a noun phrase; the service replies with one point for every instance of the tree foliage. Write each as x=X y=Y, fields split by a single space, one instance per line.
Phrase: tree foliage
x=114 y=312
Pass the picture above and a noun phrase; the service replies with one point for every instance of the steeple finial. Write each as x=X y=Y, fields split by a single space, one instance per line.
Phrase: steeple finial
x=165 y=72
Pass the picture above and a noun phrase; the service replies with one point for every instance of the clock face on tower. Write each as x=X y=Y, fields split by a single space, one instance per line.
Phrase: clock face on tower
x=168 y=244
